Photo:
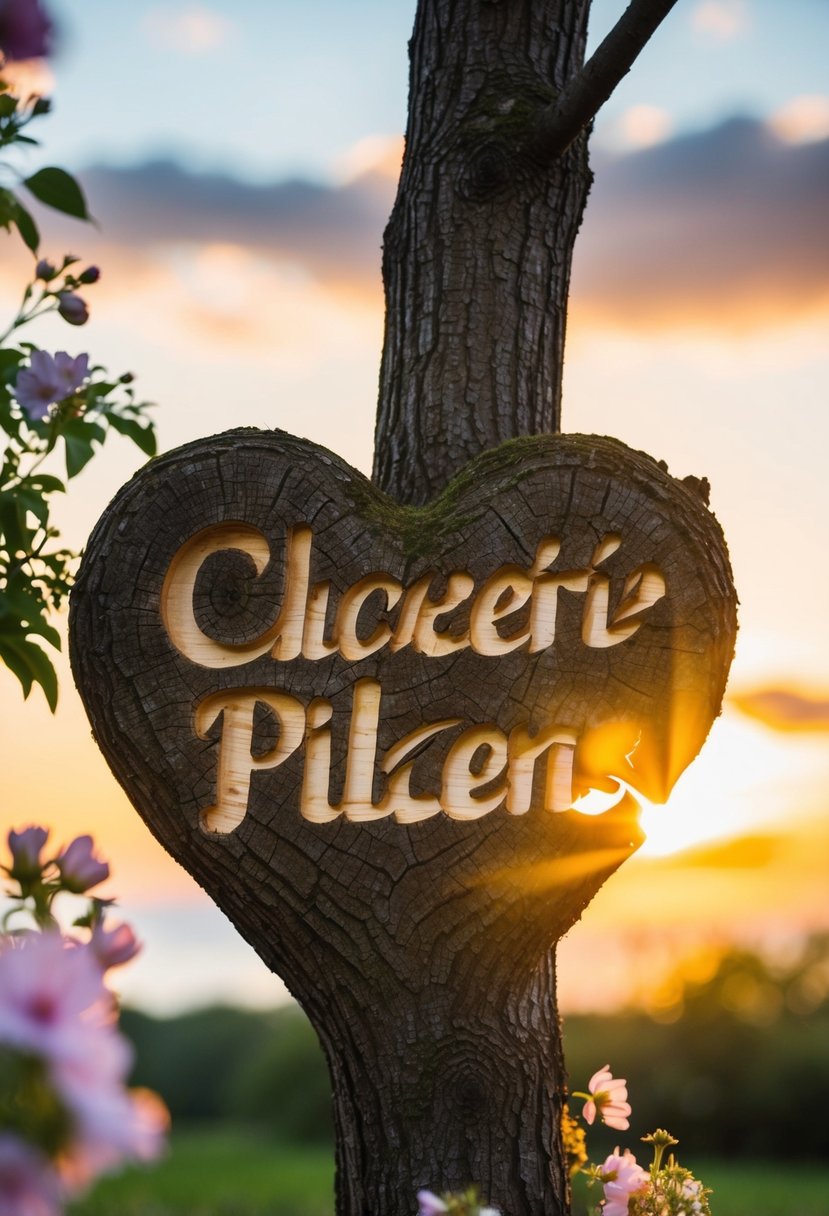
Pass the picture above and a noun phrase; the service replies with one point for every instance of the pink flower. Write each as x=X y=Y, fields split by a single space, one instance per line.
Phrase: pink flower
x=25 y=847
x=53 y=1004
x=112 y=1125
x=112 y=947
x=621 y=1177
x=608 y=1100
x=72 y=308
x=25 y=30
x=49 y=378
x=52 y=999
x=430 y=1204
x=28 y=1185
x=79 y=868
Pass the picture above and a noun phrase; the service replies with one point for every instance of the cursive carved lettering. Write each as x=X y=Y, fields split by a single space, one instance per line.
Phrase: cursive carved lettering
x=299 y=627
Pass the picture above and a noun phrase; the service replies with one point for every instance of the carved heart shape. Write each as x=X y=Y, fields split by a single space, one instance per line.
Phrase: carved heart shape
x=333 y=710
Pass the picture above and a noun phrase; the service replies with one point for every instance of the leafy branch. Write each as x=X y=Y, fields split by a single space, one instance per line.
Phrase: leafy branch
x=51 y=405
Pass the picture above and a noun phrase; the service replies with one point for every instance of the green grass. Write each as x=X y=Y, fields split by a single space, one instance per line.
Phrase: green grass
x=220 y=1172
x=231 y=1172
x=765 y=1189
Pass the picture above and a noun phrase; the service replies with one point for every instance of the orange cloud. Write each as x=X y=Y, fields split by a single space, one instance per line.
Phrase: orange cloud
x=785 y=709
x=721 y=229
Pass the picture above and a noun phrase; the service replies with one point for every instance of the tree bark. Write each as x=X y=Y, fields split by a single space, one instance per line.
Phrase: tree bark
x=477 y=253
x=476 y=271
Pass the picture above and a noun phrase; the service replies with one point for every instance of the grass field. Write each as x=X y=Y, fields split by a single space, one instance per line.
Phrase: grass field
x=230 y=1172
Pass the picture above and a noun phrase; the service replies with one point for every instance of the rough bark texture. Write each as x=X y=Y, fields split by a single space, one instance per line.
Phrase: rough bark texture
x=423 y=952
x=476 y=260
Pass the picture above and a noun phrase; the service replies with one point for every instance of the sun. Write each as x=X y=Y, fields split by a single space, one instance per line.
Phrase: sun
x=737 y=781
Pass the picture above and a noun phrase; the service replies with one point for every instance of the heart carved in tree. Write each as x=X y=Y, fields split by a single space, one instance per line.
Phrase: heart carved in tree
x=364 y=728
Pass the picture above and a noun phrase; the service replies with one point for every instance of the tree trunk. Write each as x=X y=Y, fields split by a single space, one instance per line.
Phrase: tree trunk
x=477 y=252
x=476 y=271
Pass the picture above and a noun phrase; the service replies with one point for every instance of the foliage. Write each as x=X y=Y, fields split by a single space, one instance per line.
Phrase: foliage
x=698 y=1074
x=65 y=1115
x=263 y=1069
x=48 y=405
x=698 y=1071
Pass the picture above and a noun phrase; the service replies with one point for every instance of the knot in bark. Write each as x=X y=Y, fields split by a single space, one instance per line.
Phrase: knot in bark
x=491 y=170
x=468 y=1092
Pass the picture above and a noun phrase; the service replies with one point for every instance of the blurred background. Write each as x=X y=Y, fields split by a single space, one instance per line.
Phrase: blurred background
x=241 y=160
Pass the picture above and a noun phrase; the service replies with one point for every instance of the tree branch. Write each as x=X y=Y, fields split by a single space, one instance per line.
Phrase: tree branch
x=558 y=124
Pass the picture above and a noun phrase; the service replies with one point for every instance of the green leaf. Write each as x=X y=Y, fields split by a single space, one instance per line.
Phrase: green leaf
x=10 y=359
x=142 y=436
x=79 y=435
x=33 y=501
x=8 y=105
x=16 y=664
x=29 y=663
x=8 y=207
x=44 y=630
x=27 y=228
x=79 y=452
x=57 y=188
x=46 y=484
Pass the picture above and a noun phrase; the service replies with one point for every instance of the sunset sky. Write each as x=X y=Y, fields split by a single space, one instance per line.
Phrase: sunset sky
x=241 y=160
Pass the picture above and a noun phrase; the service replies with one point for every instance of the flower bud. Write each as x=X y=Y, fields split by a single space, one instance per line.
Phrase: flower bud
x=90 y=275
x=79 y=868
x=112 y=947
x=45 y=270
x=25 y=848
x=72 y=308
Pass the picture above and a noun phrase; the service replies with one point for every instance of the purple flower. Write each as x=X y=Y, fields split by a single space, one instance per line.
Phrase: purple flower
x=90 y=275
x=45 y=270
x=79 y=868
x=25 y=847
x=49 y=378
x=72 y=308
x=27 y=1181
x=25 y=30
x=430 y=1204
x=112 y=947
x=71 y=373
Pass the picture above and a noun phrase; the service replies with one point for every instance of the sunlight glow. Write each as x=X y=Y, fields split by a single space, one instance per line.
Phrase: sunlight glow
x=735 y=786
x=738 y=783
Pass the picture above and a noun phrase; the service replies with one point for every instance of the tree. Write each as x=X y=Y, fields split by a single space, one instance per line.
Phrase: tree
x=477 y=253
x=424 y=958
x=476 y=268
